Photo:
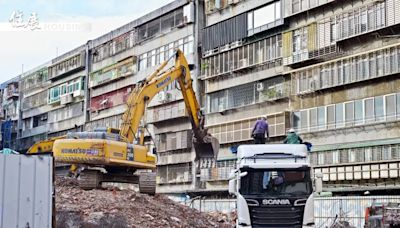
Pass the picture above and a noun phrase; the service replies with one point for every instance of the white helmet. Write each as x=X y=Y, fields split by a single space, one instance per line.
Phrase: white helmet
x=291 y=130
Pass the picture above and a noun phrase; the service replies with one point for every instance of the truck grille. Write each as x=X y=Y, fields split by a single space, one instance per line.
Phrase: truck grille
x=277 y=216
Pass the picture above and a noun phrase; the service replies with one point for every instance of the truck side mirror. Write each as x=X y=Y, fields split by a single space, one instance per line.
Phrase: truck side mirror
x=232 y=174
x=318 y=182
x=232 y=187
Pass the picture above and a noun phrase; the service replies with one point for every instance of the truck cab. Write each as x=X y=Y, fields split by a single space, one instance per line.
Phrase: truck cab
x=273 y=186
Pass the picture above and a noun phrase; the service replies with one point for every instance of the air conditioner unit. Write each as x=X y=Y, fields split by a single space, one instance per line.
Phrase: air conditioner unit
x=260 y=87
x=79 y=93
x=66 y=99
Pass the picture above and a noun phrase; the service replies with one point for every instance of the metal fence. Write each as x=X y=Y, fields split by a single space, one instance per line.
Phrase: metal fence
x=346 y=208
x=212 y=205
x=26 y=187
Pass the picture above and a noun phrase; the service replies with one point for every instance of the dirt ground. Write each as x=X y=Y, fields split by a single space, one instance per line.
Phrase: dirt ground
x=125 y=208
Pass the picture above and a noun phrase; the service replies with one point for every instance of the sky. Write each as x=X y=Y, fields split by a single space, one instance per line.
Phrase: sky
x=65 y=24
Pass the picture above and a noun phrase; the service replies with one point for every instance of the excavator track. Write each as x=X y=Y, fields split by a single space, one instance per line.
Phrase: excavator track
x=147 y=183
x=90 y=179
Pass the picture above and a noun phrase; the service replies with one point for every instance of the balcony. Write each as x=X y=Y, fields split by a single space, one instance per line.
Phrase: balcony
x=165 y=158
x=65 y=124
x=174 y=174
x=167 y=112
x=67 y=66
x=34 y=131
x=240 y=131
x=174 y=141
x=215 y=174
x=116 y=71
x=11 y=94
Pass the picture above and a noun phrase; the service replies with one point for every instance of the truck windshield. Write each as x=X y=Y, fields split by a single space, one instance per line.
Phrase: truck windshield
x=276 y=182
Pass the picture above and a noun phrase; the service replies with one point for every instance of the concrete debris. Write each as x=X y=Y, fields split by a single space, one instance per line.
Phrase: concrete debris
x=125 y=208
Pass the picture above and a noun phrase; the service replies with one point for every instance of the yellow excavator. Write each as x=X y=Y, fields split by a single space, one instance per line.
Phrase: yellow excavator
x=114 y=155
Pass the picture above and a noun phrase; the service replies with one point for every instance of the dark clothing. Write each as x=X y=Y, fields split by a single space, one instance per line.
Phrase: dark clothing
x=259 y=138
x=293 y=138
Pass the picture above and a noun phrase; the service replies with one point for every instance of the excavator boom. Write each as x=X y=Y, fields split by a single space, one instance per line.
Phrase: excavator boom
x=205 y=145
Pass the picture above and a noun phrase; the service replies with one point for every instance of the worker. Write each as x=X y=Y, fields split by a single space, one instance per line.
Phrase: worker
x=259 y=130
x=292 y=138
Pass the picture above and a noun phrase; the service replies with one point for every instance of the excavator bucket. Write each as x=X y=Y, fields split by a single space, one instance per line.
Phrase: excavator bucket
x=208 y=149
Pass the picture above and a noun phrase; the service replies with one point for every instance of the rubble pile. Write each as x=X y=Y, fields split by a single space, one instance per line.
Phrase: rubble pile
x=125 y=208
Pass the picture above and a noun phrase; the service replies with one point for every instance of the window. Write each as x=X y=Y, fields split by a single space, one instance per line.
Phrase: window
x=296 y=42
x=339 y=115
x=264 y=15
x=241 y=95
x=67 y=88
x=368 y=154
x=263 y=18
x=242 y=57
x=250 y=21
x=313 y=119
x=218 y=101
x=330 y=110
x=296 y=120
x=358 y=112
x=295 y=6
x=398 y=105
x=390 y=104
x=159 y=55
x=54 y=95
x=379 y=110
x=321 y=118
x=304 y=120
x=64 y=89
x=369 y=110
x=349 y=113
x=143 y=61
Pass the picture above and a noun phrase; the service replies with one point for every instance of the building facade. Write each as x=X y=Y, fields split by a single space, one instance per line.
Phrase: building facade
x=327 y=68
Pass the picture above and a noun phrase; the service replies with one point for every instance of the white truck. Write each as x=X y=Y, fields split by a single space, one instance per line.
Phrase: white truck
x=273 y=186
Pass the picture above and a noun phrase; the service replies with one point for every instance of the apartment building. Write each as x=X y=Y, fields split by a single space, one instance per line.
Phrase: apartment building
x=326 y=68
x=243 y=75
x=127 y=55
x=66 y=92
x=10 y=95
x=34 y=106
x=343 y=64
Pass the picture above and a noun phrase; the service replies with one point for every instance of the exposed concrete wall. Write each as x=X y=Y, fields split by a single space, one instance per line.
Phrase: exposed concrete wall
x=247 y=112
x=374 y=87
x=370 y=132
x=221 y=83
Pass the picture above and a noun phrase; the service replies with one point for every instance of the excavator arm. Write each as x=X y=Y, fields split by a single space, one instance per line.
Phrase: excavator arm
x=206 y=146
x=43 y=147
